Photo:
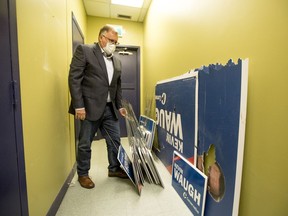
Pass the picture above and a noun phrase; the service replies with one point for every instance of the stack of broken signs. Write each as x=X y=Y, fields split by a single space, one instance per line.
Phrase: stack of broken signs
x=142 y=166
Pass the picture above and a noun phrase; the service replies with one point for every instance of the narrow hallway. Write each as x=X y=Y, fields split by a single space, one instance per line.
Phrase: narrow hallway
x=115 y=196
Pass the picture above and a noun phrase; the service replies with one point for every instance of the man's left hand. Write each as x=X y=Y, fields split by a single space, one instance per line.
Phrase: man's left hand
x=123 y=112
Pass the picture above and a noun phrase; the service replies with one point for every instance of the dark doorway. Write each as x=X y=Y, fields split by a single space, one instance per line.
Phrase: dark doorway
x=13 y=191
x=130 y=59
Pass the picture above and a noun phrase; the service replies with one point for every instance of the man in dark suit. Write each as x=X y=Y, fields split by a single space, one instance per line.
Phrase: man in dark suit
x=95 y=88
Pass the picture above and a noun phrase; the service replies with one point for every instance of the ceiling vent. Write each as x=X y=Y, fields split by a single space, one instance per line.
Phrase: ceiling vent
x=123 y=16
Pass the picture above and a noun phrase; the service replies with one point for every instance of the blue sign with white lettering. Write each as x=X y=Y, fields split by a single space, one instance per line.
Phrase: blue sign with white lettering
x=126 y=163
x=189 y=183
x=147 y=127
x=175 y=118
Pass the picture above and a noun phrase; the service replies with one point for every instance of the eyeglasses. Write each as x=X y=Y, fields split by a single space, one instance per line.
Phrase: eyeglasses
x=110 y=40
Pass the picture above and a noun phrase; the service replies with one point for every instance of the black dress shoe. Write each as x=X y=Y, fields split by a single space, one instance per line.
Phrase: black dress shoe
x=86 y=182
x=119 y=173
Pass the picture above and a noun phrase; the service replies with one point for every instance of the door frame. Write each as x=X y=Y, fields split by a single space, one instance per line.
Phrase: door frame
x=17 y=106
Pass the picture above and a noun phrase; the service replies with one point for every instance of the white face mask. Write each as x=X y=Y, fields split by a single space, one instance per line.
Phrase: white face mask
x=109 y=48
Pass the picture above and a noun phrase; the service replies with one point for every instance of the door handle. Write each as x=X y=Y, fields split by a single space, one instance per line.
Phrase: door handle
x=14 y=92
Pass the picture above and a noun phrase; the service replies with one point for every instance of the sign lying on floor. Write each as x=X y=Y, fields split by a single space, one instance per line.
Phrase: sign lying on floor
x=202 y=116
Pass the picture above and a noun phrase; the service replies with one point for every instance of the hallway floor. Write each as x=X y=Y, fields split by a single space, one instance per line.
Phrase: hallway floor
x=119 y=197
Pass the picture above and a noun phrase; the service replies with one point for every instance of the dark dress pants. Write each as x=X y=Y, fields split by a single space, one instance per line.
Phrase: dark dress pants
x=110 y=130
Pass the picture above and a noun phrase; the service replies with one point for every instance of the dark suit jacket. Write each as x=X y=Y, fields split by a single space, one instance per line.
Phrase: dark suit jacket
x=88 y=82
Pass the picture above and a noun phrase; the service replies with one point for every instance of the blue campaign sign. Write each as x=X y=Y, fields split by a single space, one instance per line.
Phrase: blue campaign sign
x=126 y=163
x=189 y=183
x=221 y=128
x=147 y=127
x=175 y=117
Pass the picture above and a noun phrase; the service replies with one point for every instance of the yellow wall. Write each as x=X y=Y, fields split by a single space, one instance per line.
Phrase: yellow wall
x=45 y=47
x=77 y=9
x=191 y=33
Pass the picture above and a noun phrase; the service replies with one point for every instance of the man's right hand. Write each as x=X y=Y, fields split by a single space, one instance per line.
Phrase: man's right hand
x=80 y=113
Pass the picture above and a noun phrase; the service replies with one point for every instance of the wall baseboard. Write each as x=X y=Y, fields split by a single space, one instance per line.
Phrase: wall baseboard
x=57 y=202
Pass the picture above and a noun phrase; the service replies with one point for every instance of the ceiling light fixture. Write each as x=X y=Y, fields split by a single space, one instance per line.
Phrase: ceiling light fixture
x=130 y=3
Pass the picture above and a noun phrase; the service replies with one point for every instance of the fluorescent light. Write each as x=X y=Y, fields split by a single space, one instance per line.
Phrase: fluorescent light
x=130 y=3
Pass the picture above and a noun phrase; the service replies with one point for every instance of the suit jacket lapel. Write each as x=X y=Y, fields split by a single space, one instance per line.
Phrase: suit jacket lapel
x=100 y=58
x=116 y=69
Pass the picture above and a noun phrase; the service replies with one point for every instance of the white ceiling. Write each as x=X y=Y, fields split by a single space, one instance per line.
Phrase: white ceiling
x=104 y=8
